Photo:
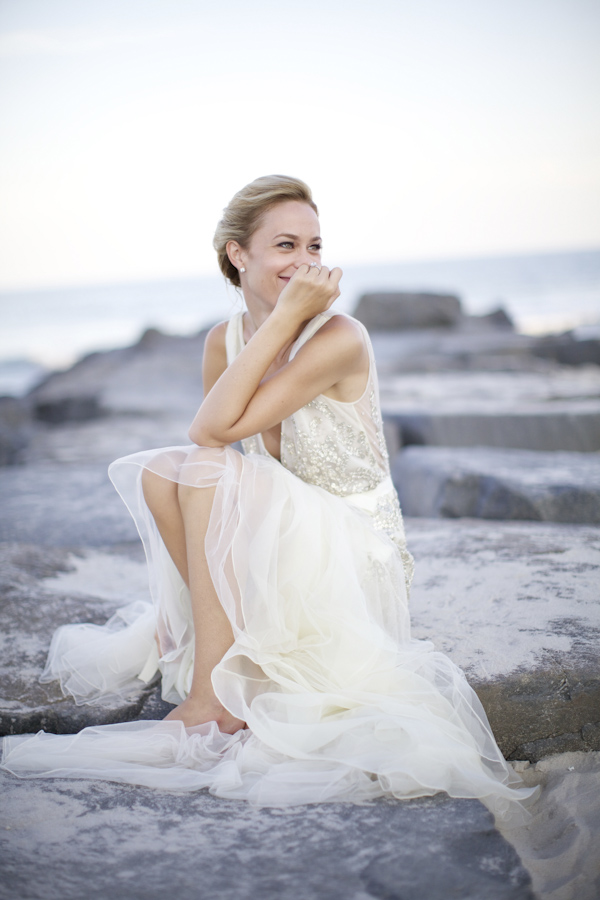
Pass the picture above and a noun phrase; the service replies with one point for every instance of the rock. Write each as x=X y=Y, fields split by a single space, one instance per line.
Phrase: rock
x=560 y=846
x=400 y=310
x=471 y=347
x=103 y=440
x=15 y=429
x=62 y=506
x=556 y=410
x=515 y=605
x=497 y=319
x=487 y=483
x=568 y=349
x=73 y=839
x=40 y=590
x=161 y=373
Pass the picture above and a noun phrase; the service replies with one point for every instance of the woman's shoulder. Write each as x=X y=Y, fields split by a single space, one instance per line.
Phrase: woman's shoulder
x=347 y=333
x=216 y=335
x=214 y=360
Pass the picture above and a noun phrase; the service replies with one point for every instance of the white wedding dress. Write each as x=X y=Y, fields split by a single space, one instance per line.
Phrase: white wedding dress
x=308 y=558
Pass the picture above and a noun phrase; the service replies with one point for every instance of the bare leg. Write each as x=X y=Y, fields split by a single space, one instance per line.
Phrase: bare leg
x=182 y=514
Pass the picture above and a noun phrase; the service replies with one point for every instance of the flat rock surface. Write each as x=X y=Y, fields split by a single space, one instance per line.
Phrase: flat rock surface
x=554 y=410
x=67 y=840
x=515 y=605
x=488 y=483
x=62 y=506
x=41 y=589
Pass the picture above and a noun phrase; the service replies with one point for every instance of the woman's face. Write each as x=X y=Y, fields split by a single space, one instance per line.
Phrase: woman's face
x=287 y=237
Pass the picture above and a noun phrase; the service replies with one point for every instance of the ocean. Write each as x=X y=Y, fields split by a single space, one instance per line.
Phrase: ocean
x=50 y=329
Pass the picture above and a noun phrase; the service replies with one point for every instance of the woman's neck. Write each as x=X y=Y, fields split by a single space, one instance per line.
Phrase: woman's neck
x=255 y=316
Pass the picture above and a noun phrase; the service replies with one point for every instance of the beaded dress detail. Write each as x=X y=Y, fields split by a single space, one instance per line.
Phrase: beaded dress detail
x=338 y=446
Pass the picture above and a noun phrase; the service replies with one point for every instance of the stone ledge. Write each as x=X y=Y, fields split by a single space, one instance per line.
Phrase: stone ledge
x=487 y=483
x=515 y=605
x=127 y=842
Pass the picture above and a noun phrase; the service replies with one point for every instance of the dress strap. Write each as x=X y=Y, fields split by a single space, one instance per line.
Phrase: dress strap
x=309 y=330
x=234 y=337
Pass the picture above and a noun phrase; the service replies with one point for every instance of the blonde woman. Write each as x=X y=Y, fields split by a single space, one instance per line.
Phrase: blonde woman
x=279 y=575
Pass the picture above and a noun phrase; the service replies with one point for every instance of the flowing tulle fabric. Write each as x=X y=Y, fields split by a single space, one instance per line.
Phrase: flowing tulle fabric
x=340 y=702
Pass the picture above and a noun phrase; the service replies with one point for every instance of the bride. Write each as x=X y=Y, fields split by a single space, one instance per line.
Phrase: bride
x=279 y=576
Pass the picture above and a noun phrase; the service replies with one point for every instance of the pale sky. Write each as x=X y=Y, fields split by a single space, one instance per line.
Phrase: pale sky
x=426 y=128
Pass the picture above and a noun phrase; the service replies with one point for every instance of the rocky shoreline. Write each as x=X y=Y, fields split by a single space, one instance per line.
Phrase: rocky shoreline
x=494 y=439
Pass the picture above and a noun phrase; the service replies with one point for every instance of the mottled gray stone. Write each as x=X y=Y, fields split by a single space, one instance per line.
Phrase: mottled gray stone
x=16 y=429
x=31 y=610
x=554 y=410
x=515 y=605
x=469 y=347
x=568 y=349
x=486 y=483
x=62 y=506
x=402 y=310
x=161 y=372
x=68 y=840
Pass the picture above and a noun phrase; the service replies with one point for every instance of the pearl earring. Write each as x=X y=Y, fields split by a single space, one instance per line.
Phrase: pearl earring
x=242 y=270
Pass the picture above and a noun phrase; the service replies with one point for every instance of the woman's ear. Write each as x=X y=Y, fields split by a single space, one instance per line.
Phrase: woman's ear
x=235 y=254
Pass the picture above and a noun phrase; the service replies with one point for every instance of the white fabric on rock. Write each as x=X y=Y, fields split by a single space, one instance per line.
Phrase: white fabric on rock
x=340 y=702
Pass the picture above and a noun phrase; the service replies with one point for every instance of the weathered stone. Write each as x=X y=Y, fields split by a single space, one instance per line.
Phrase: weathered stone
x=498 y=484
x=515 y=605
x=161 y=373
x=560 y=845
x=467 y=869
x=32 y=607
x=104 y=440
x=67 y=840
x=568 y=349
x=474 y=346
x=401 y=310
x=15 y=429
x=557 y=410
x=62 y=506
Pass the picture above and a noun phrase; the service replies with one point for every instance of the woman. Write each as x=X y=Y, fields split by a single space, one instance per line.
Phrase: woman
x=279 y=577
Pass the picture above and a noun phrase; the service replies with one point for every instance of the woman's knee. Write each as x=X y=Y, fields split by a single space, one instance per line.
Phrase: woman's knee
x=159 y=492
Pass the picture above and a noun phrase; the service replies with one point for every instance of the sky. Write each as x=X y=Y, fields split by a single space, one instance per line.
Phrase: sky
x=426 y=129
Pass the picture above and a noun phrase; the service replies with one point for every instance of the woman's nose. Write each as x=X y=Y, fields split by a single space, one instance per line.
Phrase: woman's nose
x=305 y=258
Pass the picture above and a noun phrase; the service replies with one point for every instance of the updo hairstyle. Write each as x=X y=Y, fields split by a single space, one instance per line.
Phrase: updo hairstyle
x=242 y=217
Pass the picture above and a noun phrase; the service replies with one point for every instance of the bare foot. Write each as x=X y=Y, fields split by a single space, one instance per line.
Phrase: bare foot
x=196 y=712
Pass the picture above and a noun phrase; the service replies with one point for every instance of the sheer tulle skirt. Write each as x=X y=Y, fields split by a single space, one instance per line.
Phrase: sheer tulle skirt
x=340 y=702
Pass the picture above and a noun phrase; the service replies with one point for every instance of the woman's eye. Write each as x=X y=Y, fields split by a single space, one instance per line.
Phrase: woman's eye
x=316 y=248
x=286 y=244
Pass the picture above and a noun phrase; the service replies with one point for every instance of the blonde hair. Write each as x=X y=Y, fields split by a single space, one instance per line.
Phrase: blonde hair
x=242 y=216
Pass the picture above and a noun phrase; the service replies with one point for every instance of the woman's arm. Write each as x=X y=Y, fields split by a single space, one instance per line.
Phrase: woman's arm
x=243 y=402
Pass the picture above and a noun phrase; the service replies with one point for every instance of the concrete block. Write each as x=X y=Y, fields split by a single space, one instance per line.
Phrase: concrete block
x=68 y=840
x=516 y=606
x=403 y=310
x=485 y=483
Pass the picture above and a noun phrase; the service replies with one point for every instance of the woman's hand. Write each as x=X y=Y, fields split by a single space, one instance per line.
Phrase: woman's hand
x=310 y=291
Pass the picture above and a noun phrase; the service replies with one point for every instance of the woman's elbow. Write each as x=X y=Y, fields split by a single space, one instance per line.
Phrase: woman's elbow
x=204 y=438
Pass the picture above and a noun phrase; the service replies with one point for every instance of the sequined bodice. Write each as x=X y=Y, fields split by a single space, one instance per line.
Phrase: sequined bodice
x=337 y=446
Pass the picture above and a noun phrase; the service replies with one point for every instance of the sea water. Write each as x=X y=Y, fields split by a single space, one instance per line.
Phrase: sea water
x=52 y=328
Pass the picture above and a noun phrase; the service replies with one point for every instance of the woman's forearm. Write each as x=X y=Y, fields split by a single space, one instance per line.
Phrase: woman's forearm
x=226 y=402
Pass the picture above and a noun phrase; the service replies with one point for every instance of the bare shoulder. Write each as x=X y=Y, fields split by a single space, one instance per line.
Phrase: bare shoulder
x=345 y=332
x=214 y=361
x=215 y=339
x=340 y=345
